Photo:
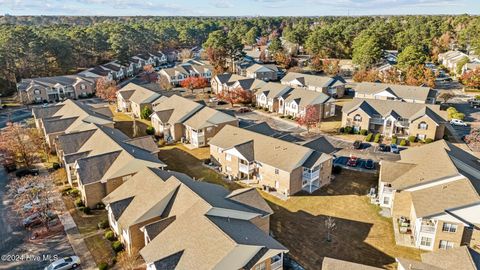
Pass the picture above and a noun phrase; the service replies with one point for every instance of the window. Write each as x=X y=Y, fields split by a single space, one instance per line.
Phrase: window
x=357 y=118
x=448 y=227
x=82 y=86
x=228 y=157
x=219 y=150
x=277 y=171
x=422 y=125
x=36 y=92
x=386 y=200
x=426 y=241
x=421 y=136
x=445 y=244
x=228 y=169
x=294 y=106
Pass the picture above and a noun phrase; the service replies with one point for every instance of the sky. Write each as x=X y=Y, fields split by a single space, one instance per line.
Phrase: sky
x=237 y=7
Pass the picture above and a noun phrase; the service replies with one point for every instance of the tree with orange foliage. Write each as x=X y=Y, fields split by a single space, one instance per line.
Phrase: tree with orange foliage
x=149 y=73
x=471 y=78
x=217 y=58
x=284 y=60
x=419 y=75
x=106 y=89
x=331 y=66
x=237 y=95
x=310 y=118
x=193 y=83
x=366 y=76
x=316 y=63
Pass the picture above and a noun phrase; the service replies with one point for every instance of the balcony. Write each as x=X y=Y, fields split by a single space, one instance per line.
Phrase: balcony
x=246 y=168
x=427 y=226
x=388 y=190
x=311 y=176
x=402 y=123
x=276 y=265
x=376 y=121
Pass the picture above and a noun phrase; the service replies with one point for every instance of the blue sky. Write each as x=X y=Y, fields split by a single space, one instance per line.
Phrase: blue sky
x=237 y=7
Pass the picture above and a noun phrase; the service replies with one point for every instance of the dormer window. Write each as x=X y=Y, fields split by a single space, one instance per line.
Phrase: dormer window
x=82 y=86
x=36 y=92
x=423 y=126
x=294 y=106
x=357 y=118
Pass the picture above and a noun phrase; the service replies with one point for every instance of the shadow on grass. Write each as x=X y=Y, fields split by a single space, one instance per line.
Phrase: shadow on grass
x=127 y=128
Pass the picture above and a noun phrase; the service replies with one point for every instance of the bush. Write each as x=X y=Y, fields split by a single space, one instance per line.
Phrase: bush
x=428 y=140
x=451 y=112
x=403 y=142
x=55 y=166
x=348 y=130
x=282 y=116
x=74 y=192
x=145 y=113
x=66 y=190
x=377 y=138
x=341 y=130
x=117 y=246
x=412 y=139
x=109 y=235
x=100 y=206
x=103 y=266
x=458 y=115
x=363 y=132
x=103 y=224
x=81 y=208
x=150 y=130
x=265 y=109
x=87 y=210
x=79 y=203
x=369 y=137
x=394 y=140
x=336 y=169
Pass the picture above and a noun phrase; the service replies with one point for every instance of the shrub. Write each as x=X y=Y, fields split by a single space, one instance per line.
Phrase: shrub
x=282 y=116
x=161 y=142
x=336 y=169
x=394 y=140
x=109 y=236
x=428 y=140
x=103 y=224
x=451 y=112
x=458 y=115
x=363 y=132
x=103 y=266
x=403 y=142
x=265 y=109
x=79 y=203
x=150 y=130
x=412 y=138
x=117 y=246
x=341 y=130
x=55 y=166
x=87 y=210
x=145 y=113
x=81 y=208
x=66 y=190
x=74 y=192
x=377 y=138
x=348 y=130
x=100 y=206
x=369 y=137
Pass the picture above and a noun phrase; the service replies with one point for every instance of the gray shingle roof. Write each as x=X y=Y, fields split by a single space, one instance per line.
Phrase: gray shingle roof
x=92 y=169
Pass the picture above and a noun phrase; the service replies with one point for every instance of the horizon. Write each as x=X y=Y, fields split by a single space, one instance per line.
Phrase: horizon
x=230 y=8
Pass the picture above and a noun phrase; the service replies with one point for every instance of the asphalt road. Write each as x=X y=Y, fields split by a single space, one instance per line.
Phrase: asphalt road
x=14 y=116
x=16 y=251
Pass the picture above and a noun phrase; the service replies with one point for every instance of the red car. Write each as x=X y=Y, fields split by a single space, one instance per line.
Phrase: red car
x=352 y=161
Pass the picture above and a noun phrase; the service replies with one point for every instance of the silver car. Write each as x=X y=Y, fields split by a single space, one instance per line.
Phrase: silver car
x=71 y=262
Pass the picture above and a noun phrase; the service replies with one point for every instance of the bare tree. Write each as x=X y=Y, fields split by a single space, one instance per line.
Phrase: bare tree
x=128 y=260
x=106 y=89
x=330 y=226
x=16 y=142
x=446 y=96
x=34 y=199
x=185 y=54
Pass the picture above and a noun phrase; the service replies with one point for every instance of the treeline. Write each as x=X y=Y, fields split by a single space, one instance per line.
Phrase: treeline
x=49 y=45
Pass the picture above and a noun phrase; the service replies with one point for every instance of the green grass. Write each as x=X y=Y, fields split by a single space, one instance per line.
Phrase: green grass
x=85 y=224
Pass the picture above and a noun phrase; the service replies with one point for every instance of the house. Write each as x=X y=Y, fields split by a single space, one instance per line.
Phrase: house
x=470 y=66
x=134 y=98
x=405 y=93
x=332 y=86
x=262 y=72
x=99 y=159
x=69 y=116
x=159 y=213
x=181 y=119
x=393 y=118
x=54 y=89
x=432 y=193
x=177 y=74
x=335 y=264
x=110 y=71
x=450 y=59
x=268 y=95
x=272 y=163
x=118 y=71
x=455 y=258
x=154 y=59
x=346 y=67
x=230 y=82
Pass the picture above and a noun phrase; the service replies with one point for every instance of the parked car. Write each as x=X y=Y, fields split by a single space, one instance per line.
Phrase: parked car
x=212 y=100
x=357 y=144
x=369 y=164
x=384 y=148
x=394 y=148
x=352 y=161
x=244 y=110
x=221 y=102
x=457 y=122
x=10 y=166
x=25 y=172
x=70 y=262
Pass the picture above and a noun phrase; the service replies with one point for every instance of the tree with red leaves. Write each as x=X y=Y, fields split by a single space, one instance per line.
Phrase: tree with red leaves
x=106 y=89
x=310 y=118
x=149 y=73
x=237 y=95
x=331 y=66
x=471 y=78
x=193 y=83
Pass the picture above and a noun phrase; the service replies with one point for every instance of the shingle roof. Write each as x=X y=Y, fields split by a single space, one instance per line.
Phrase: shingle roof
x=405 y=110
x=145 y=142
x=208 y=117
x=313 y=80
x=101 y=163
x=462 y=257
x=176 y=109
x=305 y=97
x=140 y=95
x=334 y=264
x=273 y=90
x=401 y=91
x=71 y=142
x=58 y=125
x=417 y=265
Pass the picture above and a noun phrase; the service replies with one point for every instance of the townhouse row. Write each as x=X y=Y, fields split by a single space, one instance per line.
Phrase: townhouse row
x=154 y=211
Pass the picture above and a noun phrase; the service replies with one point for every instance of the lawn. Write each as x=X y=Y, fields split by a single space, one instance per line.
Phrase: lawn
x=361 y=235
x=100 y=248
x=86 y=224
x=179 y=158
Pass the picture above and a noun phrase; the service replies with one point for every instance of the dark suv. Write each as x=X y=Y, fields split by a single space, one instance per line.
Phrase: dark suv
x=24 y=172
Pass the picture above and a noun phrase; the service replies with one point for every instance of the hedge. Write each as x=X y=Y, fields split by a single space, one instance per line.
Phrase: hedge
x=412 y=138
x=428 y=140
x=86 y=210
x=103 y=224
x=117 y=246
x=394 y=140
x=103 y=266
x=79 y=203
x=403 y=142
x=150 y=130
x=363 y=132
x=109 y=235
x=377 y=138
x=369 y=137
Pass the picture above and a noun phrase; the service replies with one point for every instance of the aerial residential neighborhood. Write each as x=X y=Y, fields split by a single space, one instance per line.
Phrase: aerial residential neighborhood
x=253 y=135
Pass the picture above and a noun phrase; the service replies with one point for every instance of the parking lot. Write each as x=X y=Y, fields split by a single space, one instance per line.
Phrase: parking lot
x=14 y=116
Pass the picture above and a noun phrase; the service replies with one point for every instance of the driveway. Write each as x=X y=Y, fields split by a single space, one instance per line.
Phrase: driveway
x=250 y=118
x=16 y=251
